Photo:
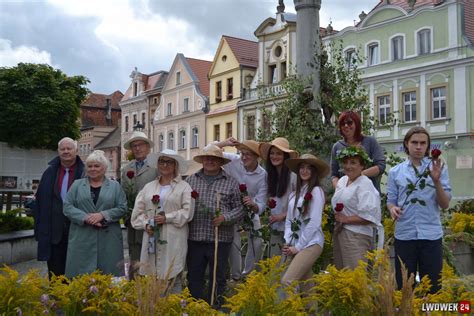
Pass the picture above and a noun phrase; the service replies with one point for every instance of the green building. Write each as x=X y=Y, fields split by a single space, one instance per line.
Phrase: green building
x=418 y=69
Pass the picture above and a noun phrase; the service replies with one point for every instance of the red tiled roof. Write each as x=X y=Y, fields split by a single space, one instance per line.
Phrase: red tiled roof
x=99 y=100
x=152 y=80
x=244 y=50
x=404 y=3
x=200 y=69
x=469 y=20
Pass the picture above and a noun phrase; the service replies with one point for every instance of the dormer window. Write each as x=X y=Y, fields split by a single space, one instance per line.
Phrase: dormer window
x=178 y=78
x=135 y=89
x=168 y=109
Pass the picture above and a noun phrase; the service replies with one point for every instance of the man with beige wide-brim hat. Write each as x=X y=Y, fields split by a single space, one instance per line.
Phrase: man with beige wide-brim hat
x=322 y=168
x=210 y=185
x=244 y=167
x=280 y=143
x=134 y=176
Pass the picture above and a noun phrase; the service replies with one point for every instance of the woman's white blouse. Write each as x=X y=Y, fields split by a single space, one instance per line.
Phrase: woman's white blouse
x=359 y=198
x=310 y=233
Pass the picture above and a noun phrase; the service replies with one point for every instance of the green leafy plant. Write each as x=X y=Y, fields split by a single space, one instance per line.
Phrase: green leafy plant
x=13 y=221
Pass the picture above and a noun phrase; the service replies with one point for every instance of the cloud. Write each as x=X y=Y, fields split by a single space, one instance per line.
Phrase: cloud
x=11 y=56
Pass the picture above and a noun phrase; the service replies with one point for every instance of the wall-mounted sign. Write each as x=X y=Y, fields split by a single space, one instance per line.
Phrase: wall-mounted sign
x=7 y=182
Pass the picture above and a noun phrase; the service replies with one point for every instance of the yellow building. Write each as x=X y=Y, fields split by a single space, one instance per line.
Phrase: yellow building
x=231 y=72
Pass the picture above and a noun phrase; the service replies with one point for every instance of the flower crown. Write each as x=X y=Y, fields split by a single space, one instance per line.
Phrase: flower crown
x=354 y=151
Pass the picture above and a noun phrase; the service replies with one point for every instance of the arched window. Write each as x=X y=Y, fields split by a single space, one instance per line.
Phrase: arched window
x=161 y=142
x=182 y=139
x=171 y=140
x=195 y=137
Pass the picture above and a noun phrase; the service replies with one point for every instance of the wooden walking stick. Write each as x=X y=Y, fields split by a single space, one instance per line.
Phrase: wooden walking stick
x=216 y=244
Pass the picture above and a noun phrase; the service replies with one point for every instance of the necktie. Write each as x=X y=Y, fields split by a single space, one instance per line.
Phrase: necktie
x=65 y=183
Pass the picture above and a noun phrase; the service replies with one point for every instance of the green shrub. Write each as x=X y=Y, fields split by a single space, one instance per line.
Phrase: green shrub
x=13 y=221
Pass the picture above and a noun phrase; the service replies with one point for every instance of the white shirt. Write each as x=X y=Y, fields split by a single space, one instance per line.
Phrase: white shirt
x=282 y=203
x=359 y=198
x=310 y=231
x=256 y=181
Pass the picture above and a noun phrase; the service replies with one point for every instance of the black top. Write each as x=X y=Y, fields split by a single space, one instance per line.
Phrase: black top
x=95 y=194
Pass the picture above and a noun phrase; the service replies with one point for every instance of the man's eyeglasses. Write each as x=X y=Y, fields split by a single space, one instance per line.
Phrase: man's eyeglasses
x=347 y=123
x=165 y=162
x=139 y=145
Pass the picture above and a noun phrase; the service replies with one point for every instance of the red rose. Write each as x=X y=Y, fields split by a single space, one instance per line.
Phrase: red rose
x=339 y=207
x=308 y=196
x=243 y=187
x=194 y=194
x=130 y=174
x=435 y=153
x=155 y=199
x=272 y=203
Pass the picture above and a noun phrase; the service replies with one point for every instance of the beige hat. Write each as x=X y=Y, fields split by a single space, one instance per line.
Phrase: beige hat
x=211 y=151
x=280 y=143
x=249 y=145
x=152 y=159
x=321 y=166
x=137 y=135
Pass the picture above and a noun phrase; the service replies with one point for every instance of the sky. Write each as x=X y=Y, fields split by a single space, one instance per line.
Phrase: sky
x=105 y=40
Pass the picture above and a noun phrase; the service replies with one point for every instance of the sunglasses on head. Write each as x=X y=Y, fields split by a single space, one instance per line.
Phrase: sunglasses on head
x=347 y=123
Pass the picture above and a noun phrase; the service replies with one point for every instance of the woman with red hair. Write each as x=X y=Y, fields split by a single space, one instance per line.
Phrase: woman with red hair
x=351 y=130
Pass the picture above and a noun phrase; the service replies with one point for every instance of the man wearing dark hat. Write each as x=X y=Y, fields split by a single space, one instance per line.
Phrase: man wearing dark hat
x=217 y=204
x=135 y=175
x=245 y=169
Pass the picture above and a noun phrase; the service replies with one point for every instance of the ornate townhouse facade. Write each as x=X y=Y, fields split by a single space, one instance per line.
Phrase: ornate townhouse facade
x=419 y=71
x=231 y=73
x=140 y=103
x=179 y=121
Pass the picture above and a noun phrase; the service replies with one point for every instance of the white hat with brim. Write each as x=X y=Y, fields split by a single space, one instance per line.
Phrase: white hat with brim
x=152 y=159
x=211 y=151
x=281 y=143
x=322 y=168
x=137 y=135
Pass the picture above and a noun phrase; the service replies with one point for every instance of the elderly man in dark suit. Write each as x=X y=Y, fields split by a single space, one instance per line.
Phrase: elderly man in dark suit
x=51 y=226
x=135 y=175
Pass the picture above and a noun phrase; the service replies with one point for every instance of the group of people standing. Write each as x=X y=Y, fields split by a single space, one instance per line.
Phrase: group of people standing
x=195 y=224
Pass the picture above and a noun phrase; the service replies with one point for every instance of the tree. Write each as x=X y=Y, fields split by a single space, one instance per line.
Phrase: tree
x=341 y=89
x=39 y=105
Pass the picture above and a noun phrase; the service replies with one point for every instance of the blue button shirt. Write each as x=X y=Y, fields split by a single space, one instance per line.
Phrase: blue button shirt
x=417 y=221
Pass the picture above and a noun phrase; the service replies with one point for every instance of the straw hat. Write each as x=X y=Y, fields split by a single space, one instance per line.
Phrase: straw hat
x=211 y=151
x=137 y=135
x=280 y=143
x=322 y=168
x=152 y=159
x=249 y=145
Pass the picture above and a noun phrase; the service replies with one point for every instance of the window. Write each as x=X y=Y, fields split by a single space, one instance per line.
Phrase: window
x=135 y=89
x=424 y=42
x=171 y=140
x=272 y=74
x=186 y=105
x=155 y=100
x=217 y=132
x=134 y=120
x=283 y=70
x=409 y=106
x=195 y=137
x=397 y=48
x=218 y=91
x=178 y=78
x=373 y=51
x=126 y=123
x=383 y=103
x=161 y=142
x=250 y=127
x=438 y=102
x=350 y=57
x=230 y=88
x=168 y=109
x=228 y=129
x=143 y=119
x=182 y=139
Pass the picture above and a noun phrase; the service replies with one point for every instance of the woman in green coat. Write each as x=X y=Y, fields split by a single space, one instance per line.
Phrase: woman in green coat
x=95 y=205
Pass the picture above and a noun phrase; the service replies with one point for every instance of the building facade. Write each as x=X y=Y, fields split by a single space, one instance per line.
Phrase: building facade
x=179 y=121
x=418 y=69
x=231 y=73
x=140 y=103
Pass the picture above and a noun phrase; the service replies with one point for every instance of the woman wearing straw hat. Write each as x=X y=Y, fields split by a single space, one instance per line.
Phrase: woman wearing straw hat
x=303 y=232
x=163 y=209
x=280 y=182
x=360 y=214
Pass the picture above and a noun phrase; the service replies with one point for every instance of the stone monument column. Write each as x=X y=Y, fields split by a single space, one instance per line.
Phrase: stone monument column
x=307 y=44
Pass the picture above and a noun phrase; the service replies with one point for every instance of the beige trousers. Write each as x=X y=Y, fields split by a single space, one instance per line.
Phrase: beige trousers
x=349 y=248
x=301 y=265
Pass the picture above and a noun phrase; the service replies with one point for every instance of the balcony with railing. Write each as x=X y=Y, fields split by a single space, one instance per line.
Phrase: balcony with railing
x=264 y=92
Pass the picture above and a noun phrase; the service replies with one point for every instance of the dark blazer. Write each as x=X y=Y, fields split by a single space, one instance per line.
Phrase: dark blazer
x=51 y=226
